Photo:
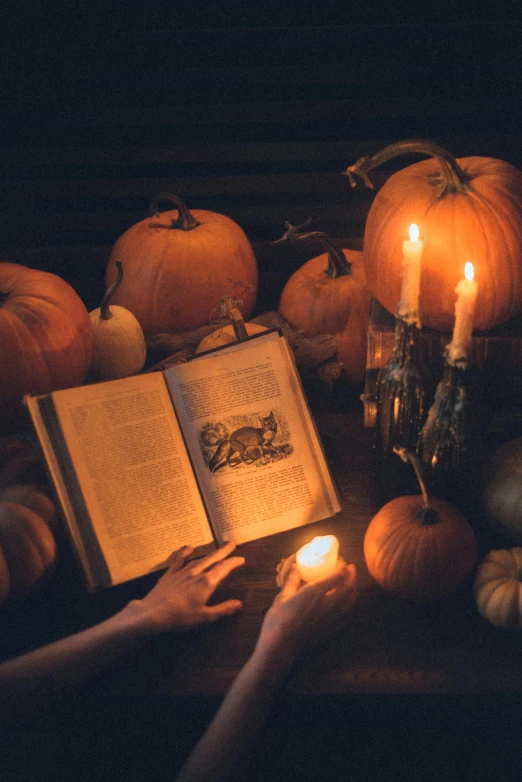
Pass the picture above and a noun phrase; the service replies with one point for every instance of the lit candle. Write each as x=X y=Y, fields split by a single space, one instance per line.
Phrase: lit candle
x=466 y=291
x=411 y=269
x=318 y=558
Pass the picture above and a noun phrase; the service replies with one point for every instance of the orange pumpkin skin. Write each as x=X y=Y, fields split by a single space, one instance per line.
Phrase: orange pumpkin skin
x=352 y=341
x=31 y=497
x=45 y=333
x=482 y=224
x=419 y=562
x=27 y=544
x=319 y=304
x=173 y=278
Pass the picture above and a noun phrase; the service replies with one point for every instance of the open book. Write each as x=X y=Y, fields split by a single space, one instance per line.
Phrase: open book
x=220 y=448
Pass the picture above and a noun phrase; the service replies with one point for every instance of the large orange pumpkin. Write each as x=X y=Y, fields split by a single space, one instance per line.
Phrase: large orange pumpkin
x=45 y=333
x=177 y=265
x=469 y=209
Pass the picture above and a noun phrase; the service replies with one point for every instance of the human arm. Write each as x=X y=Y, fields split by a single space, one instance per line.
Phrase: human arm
x=297 y=614
x=177 y=602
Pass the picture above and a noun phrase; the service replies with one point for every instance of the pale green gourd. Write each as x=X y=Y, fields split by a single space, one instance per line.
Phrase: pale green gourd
x=119 y=344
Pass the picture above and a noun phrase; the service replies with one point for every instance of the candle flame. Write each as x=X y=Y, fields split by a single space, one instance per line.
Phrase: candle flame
x=414 y=233
x=313 y=552
x=469 y=271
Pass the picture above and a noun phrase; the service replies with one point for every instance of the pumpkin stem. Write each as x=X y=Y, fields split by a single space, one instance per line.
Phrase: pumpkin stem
x=428 y=515
x=229 y=308
x=185 y=220
x=452 y=177
x=338 y=266
x=105 y=313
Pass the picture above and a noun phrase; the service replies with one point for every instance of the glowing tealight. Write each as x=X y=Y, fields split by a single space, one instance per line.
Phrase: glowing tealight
x=318 y=558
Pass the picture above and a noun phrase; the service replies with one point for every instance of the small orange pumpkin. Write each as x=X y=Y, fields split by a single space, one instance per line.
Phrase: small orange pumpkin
x=467 y=209
x=177 y=264
x=27 y=549
x=45 y=333
x=32 y=497
x=419 y=548
x=328 y=295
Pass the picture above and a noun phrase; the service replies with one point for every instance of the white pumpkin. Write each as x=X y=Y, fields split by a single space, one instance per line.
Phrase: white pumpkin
x=119 y=344
x=498 y=587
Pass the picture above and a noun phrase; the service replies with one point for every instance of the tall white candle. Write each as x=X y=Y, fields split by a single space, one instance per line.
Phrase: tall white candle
x=318 y=558
x=411 y=269
x=466 y=291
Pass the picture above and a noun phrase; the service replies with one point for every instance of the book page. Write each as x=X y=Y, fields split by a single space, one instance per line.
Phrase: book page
x=136 y=480
x=252 y=441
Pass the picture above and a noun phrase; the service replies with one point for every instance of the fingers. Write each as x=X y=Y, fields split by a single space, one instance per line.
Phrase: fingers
x=218 y=572
x=215 y=556
x=219 y=611
x=291 y=583
x=344 y=574
x=178 y=558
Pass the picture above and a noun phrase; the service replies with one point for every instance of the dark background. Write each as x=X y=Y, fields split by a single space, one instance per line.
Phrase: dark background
x=249 y=109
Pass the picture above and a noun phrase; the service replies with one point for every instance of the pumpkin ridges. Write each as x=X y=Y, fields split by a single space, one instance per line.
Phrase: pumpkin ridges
x=501 y=599
x=46 y=339
x=416 y=561
x=33 y=498
x=407 y=190
x=28 y=545
x=497 y=588
x=225 y=254
x=29 y=363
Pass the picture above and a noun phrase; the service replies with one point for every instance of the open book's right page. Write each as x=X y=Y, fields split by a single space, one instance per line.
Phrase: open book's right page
x=252 y=441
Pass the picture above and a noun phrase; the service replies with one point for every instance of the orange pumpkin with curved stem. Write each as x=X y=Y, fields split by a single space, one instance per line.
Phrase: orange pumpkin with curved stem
x=419 y=548
x=177 y=265
x=467 y=209
x=328 y=295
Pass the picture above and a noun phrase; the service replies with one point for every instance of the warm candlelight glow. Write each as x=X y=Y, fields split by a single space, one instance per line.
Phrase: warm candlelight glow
x=414 y=233
x=411 y=268
x=466 y=291
x=318 y=558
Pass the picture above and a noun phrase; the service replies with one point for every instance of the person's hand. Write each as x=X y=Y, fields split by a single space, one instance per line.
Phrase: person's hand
x=303 y=614
x=178 y=601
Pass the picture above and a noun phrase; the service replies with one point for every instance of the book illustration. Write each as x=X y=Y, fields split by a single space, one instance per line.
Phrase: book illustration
x=245 y=440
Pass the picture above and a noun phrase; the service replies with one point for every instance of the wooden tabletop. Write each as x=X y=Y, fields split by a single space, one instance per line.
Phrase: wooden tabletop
x=390 y=647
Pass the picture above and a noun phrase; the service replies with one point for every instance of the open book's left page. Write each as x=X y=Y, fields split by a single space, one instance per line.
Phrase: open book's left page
x=117 y=458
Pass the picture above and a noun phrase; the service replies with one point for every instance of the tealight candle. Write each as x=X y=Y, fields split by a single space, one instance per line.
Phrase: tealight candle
x=411 y=269
x=318 y=558
x=466 y=291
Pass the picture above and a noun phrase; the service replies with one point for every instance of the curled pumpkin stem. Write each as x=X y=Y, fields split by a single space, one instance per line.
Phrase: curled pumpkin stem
x=338 y=266
x=105 y=312
x=428 y=515
x=452 y=178
x=185 y=220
